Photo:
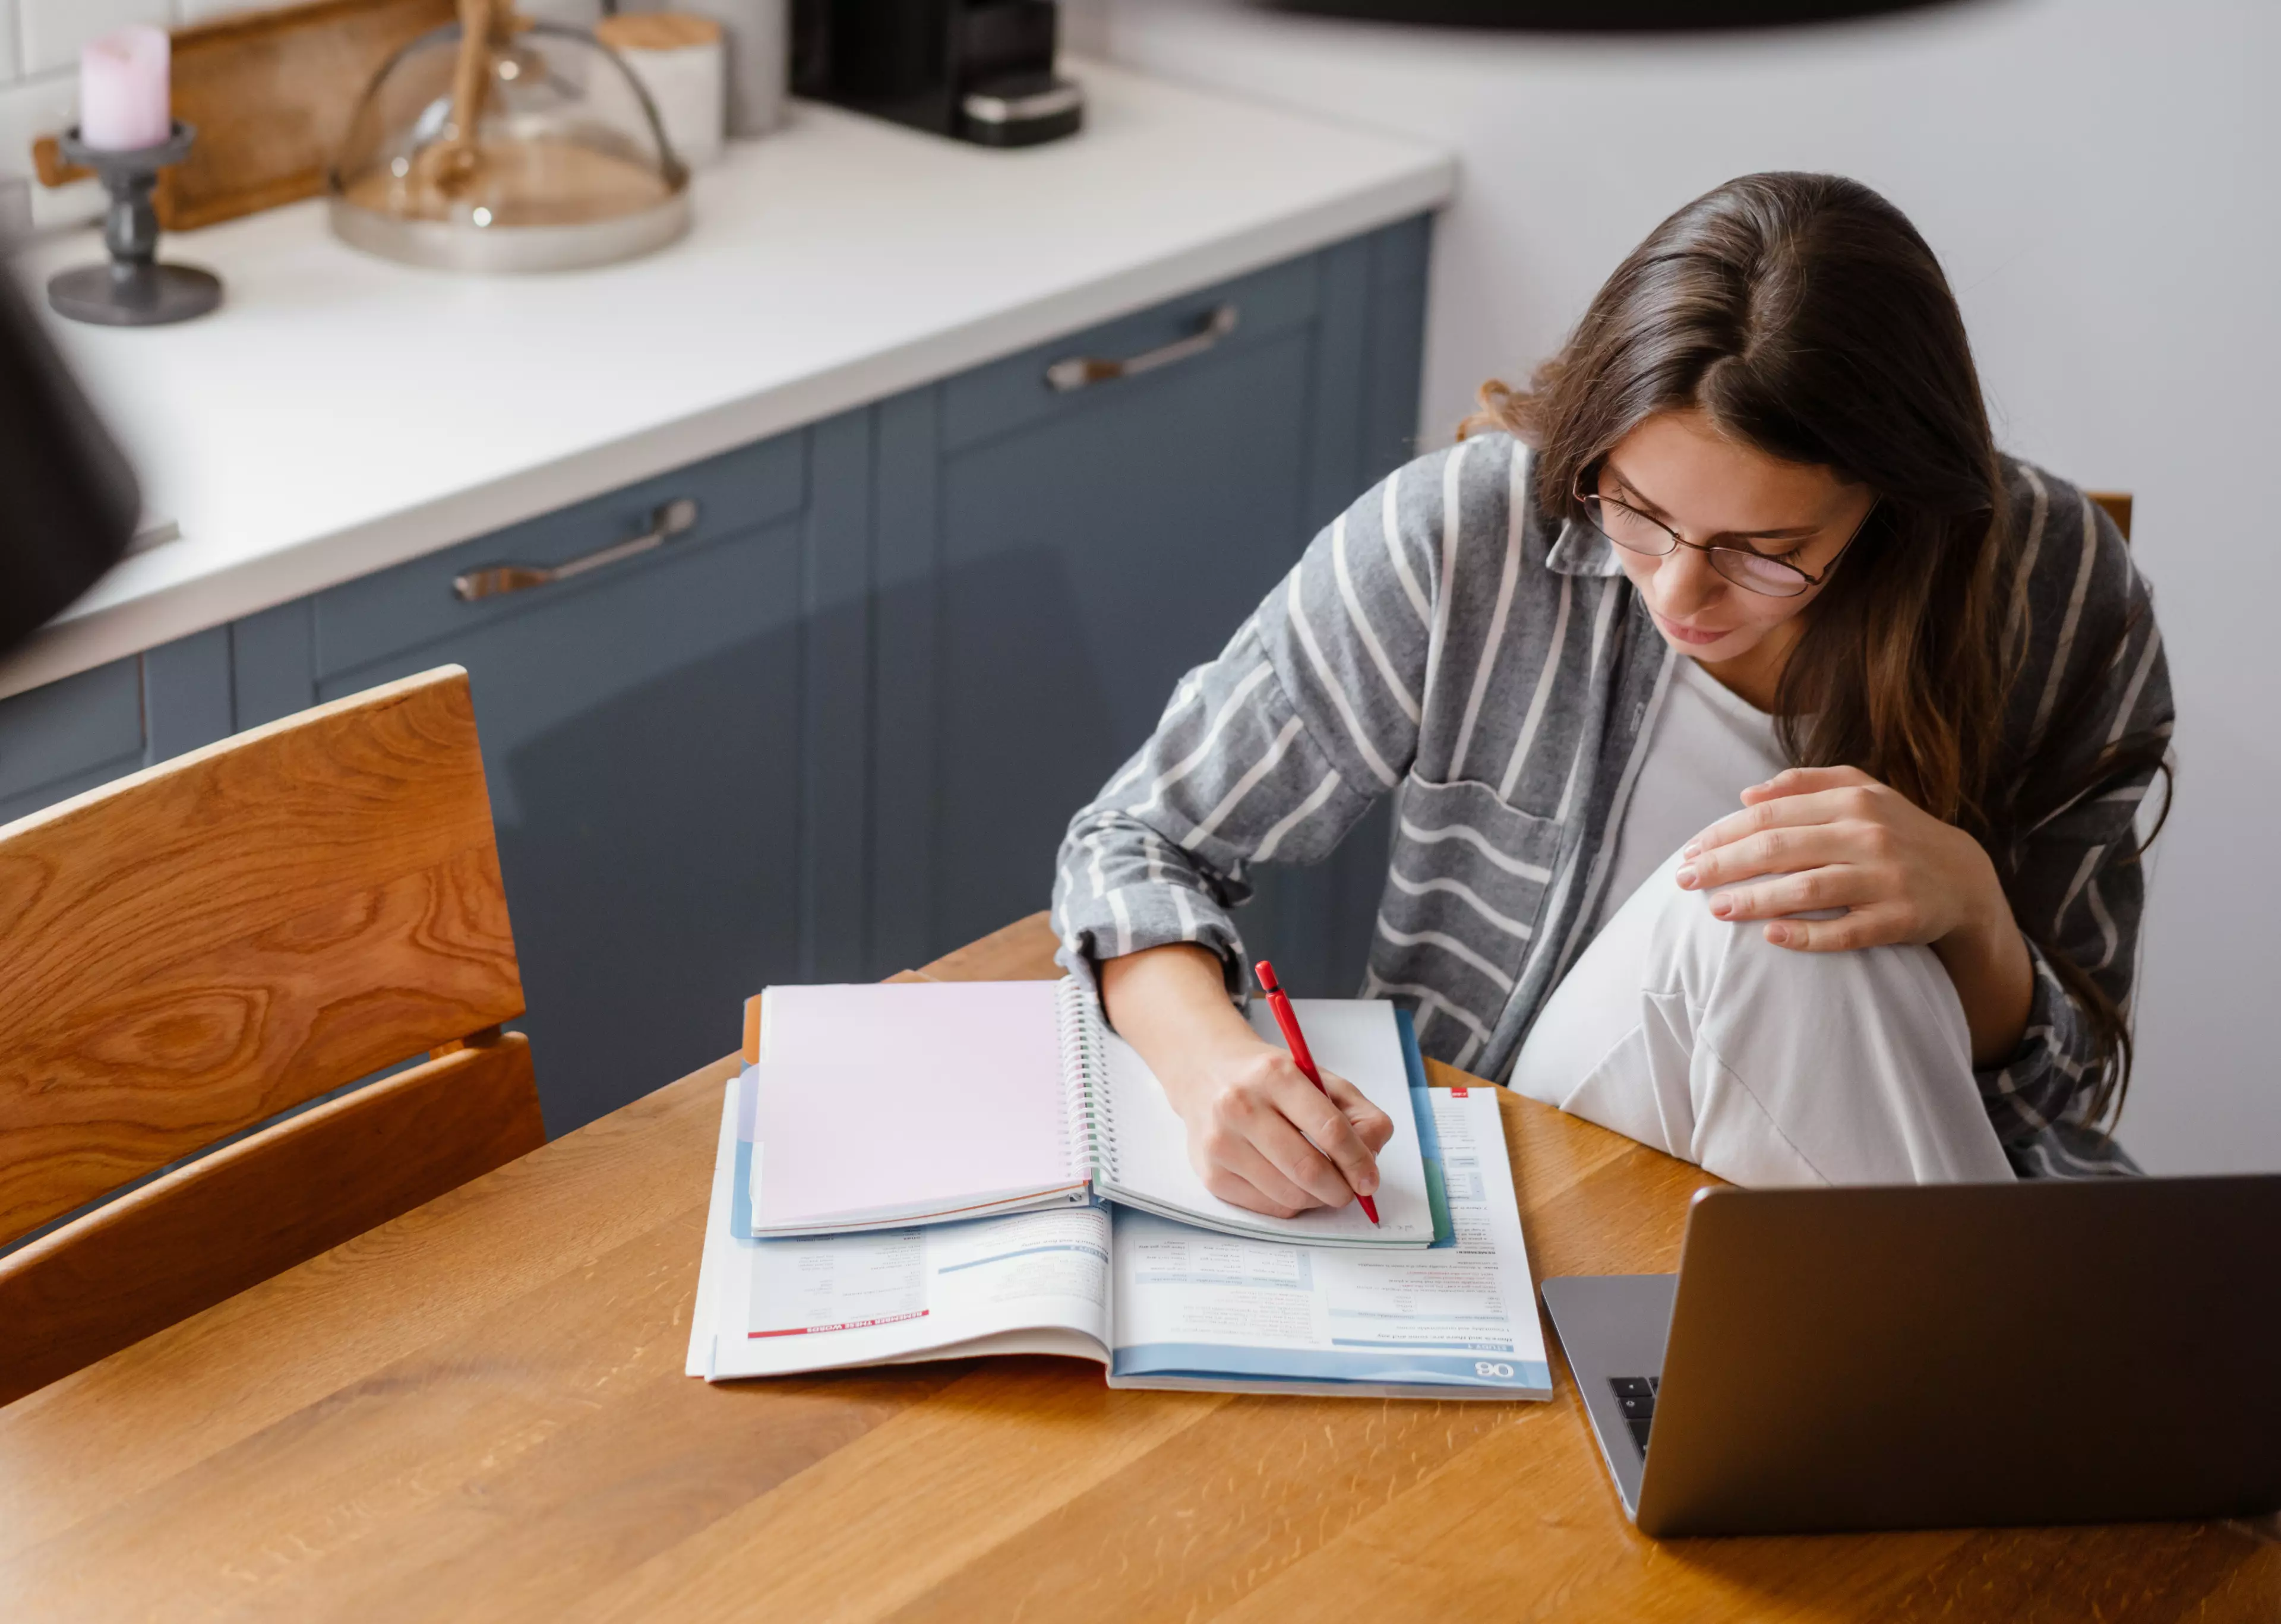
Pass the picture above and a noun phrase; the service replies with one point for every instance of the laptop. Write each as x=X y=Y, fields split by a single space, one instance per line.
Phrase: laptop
x=1953 y=1355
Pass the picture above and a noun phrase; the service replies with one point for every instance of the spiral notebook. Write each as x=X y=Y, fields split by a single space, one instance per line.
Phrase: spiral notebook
x=884 y=1106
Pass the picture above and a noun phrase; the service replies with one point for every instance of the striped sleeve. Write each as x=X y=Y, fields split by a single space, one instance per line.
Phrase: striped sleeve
x=1271 y=752
x=2092 y=675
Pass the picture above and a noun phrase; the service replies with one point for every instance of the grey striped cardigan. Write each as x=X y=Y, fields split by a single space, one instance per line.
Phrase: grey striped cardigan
x=1445 y=641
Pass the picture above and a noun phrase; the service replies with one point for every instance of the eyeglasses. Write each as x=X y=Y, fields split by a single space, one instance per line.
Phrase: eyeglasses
x=1754 y=572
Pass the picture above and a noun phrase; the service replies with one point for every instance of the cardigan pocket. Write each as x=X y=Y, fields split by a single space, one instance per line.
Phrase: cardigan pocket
x=1465 y=891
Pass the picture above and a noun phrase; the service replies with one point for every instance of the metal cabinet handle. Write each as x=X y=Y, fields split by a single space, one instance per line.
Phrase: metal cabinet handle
x=1077 y=371
x=665 y=523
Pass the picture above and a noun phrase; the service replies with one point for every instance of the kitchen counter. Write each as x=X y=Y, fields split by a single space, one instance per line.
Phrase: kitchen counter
x=342 y=413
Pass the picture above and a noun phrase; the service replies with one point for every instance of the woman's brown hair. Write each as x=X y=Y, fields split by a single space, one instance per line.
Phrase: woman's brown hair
x=1805 y=316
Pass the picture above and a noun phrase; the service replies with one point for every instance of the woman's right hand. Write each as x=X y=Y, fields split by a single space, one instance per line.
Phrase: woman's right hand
x=1263 y=1137
x=1260 y=1134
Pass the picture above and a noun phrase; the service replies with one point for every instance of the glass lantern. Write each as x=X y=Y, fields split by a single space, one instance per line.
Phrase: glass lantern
x=565 y=165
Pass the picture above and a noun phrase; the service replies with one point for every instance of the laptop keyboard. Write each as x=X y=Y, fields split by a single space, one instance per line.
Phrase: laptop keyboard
x=1636 y=1397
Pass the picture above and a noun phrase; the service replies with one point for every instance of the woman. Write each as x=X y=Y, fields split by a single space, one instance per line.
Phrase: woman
x=1768 y=750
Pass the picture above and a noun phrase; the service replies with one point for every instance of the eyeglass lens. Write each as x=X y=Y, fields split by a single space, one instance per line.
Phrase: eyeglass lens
x=1630 y=529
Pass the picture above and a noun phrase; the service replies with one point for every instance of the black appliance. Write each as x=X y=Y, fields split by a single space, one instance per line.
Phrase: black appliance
x=977 y=70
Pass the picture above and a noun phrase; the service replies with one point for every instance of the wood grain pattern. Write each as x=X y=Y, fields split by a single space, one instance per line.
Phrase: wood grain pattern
x=208 y=1230
x=308 y=1340
x=2118 y=503
x=271 y=92
x=477 y=1411
x=657 y=31
x=196 y=947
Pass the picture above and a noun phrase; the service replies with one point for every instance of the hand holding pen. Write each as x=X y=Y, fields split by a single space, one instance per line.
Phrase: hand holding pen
x=1262 y=1136
x=1287 y=1019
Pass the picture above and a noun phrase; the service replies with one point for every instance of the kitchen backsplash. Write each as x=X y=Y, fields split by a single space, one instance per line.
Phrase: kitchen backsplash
x=39 y=83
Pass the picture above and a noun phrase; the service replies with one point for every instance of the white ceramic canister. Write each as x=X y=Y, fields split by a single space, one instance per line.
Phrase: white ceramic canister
x=757 y=36
x=677 y=58
x=569 y=13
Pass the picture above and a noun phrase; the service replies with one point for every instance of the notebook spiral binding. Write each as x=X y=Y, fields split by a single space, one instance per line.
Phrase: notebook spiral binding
x=1088 y=1122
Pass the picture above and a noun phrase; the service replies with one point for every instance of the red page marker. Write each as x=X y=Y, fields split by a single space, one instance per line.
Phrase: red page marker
x=1296 y=1042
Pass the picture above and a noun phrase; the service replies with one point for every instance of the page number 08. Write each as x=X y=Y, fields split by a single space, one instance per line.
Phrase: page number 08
x=1491 y=1367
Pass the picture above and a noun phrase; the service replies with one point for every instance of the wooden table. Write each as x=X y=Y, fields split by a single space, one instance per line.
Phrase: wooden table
x=477 y=1412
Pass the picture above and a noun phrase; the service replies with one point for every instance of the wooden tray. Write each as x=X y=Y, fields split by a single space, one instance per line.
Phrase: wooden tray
x=272 y=94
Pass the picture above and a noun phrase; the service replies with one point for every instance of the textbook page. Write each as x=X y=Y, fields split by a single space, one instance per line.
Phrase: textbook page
x=1357 y=1039
x=1036 y=1282
x=1458 y=1321
x=713 y=1260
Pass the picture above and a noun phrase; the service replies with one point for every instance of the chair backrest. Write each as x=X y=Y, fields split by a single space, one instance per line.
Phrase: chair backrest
x=2118 y=503
x=192 y=950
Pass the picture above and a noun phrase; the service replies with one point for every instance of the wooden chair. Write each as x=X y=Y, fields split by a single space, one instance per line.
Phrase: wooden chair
x=2118 y=503
x=191 y=951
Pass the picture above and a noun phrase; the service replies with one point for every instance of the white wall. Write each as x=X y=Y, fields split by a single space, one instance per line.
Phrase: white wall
x=2104 y=185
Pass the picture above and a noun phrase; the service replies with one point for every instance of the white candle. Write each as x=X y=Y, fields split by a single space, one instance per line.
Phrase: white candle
x=124 y=101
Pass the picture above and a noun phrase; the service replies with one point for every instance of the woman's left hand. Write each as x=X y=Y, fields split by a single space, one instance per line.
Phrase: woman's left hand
x=1819 y=838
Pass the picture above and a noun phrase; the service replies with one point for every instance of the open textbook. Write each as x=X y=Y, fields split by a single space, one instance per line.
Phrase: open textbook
x=884 y=1106
x=1158 y=1303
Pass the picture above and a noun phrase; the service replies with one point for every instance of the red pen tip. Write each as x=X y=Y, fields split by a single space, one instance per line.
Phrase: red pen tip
x=1266 y=972
x=1369 y=1208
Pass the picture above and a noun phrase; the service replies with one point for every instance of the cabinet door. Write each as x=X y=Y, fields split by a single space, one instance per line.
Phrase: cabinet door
x=86 y=730
x=70 y=736
x=1052 y=562
x=641 y=732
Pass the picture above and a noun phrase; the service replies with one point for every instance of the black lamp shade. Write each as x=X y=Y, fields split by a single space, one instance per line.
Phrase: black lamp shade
x=69 y=500
x=1603 y=16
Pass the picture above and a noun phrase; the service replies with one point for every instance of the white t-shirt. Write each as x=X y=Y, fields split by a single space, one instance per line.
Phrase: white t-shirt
x=1708 y=746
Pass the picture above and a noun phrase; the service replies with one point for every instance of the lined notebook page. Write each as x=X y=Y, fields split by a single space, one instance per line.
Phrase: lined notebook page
x=1359 y=1041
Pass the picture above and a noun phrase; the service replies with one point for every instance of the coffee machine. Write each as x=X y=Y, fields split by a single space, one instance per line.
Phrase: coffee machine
x=975 y=70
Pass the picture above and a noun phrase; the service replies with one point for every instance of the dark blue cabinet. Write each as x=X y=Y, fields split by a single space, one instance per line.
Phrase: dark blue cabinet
x=1088 y=557
x=1054 y=559
x=641 y=730
x=641 y=739
x=101 y=725
x=836 y=727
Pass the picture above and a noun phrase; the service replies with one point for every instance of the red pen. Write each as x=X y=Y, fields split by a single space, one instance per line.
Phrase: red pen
x=1296 y=1042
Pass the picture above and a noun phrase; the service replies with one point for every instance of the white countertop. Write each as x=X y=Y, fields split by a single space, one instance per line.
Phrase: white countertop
x=342 y=413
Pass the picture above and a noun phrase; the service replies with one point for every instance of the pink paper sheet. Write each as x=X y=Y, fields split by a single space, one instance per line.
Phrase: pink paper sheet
x=911 y=1096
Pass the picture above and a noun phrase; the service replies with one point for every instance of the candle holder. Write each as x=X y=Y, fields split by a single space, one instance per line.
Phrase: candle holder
x=133 y=289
